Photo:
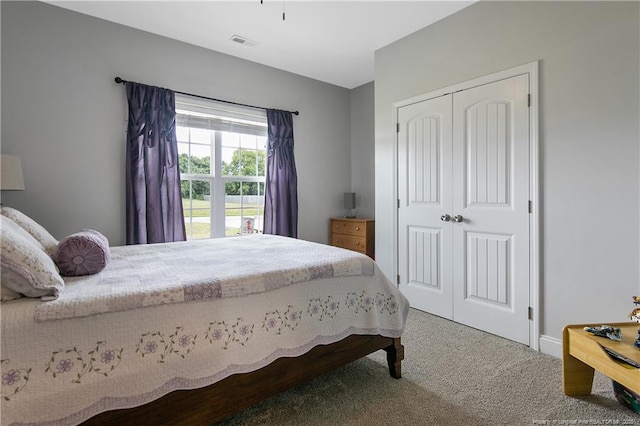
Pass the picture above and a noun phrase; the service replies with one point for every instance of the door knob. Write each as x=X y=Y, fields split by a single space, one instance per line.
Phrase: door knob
x=458 y=218
x=445 y=218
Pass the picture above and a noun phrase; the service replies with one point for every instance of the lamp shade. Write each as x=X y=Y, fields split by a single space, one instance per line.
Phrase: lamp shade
x=11 y=173
x=349 y=200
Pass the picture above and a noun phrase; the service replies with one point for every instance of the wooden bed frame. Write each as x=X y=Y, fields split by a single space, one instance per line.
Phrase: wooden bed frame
x=222 y=399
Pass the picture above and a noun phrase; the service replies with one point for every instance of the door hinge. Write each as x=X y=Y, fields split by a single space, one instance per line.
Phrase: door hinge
x=398 y=202
x=530 y=206
x=397 y=127
x=398 y=279
x=530 y=313
x=529 y=100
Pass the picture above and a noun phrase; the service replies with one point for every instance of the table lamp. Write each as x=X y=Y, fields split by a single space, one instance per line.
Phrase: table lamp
x=11 y=178
x=350 y=204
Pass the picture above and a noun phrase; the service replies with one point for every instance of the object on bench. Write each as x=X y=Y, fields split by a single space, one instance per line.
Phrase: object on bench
x=605 y=331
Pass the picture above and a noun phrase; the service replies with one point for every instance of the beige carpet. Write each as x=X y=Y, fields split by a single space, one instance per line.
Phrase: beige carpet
x=452 y=375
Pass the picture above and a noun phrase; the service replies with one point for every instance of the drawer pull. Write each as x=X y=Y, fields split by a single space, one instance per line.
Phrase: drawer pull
x=357 y=228
x=357 y=243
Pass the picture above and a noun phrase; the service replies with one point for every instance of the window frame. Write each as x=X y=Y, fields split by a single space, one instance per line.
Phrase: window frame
x=217 y=181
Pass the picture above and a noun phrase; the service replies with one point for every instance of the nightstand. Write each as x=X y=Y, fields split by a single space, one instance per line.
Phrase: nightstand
x=353 y=234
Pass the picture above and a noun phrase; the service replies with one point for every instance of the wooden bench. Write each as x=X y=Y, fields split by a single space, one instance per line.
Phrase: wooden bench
x=582 y=353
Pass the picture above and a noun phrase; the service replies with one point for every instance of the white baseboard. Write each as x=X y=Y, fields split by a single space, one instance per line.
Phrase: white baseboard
x=551 y=346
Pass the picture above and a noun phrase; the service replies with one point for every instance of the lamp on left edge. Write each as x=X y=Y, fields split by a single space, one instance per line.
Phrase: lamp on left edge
x=11 y=178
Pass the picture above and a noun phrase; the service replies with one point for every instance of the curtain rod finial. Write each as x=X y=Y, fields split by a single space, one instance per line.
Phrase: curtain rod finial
x=118 y=80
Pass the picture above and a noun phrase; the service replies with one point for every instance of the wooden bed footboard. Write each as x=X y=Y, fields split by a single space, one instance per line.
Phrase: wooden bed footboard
x=222 y=399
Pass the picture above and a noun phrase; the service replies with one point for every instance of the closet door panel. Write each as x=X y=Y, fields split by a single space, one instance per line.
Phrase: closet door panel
x=424 y=194
x=491 y=193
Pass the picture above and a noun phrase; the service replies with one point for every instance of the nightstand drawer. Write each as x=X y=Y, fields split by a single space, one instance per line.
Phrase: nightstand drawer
x=349 y=242
x=353 y=234
x=349 y=227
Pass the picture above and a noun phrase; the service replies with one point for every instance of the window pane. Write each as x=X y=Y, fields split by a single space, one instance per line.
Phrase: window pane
x=253 y=209
x=183 y=157
x=196 y=203
x=231 y=140
x=227 y=161
x=198 y=162
x=230 y=161
x=195 y=157
x=244 y=214
x=248 y=141
x=232 y=211
x=200 y=136
x=182 y=134
x=243 y=162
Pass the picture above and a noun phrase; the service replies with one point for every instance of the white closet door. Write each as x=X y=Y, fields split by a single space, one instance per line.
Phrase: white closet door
x=463 y=213
x=491 y=194
x=425 y=195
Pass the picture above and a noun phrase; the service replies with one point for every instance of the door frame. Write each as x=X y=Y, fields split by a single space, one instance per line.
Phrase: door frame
x=534 y=186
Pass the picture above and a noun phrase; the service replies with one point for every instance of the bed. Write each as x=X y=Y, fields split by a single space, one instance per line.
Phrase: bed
x=192 y=332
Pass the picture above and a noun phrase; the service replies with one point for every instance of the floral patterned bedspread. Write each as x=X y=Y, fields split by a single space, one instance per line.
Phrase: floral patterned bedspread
x=132 y=348
x=148 y=275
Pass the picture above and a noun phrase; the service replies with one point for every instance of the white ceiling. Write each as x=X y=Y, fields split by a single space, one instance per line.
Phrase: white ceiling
x=331 y=41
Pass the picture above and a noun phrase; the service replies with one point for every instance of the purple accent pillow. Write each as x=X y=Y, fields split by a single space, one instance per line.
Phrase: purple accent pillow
x=83 y=253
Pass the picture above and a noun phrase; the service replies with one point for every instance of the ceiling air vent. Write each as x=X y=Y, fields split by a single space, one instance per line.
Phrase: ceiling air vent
x=242 y=40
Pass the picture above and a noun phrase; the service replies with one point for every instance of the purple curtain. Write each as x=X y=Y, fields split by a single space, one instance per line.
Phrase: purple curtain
x=281 y=193
x=154 y=201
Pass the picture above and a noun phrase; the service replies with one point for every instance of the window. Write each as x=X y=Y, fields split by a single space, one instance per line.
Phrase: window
x=222 y=152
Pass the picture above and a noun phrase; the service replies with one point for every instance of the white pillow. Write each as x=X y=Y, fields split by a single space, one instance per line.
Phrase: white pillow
x=36 y=230
x=26 y=268
x=7 y=294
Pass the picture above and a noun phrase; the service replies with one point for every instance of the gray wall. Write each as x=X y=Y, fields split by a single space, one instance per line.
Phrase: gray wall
x=589 y=137
x=362 y=149
x=64 y=115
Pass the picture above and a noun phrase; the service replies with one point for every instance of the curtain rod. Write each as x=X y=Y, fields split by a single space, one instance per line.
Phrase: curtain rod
x=121 y=81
